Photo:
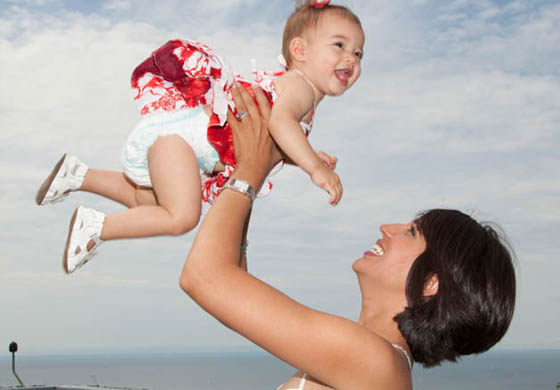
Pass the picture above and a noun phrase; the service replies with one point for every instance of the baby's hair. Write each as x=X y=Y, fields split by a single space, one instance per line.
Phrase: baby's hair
x=307 y=16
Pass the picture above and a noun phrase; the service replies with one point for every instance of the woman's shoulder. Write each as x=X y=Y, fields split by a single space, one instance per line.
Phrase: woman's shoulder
x=364 y=359
x=388 y=365
x=378 y=363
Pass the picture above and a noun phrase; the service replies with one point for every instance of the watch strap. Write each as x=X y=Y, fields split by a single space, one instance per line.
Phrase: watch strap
x=241 y=186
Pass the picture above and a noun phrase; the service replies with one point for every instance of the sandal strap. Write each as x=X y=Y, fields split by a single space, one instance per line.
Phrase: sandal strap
x=69 y=177
x=87 y=227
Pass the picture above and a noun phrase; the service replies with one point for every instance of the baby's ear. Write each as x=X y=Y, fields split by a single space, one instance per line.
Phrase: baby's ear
x=431 y=286
x=298 y=49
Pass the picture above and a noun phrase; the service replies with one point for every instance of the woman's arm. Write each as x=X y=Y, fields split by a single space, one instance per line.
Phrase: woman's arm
x=244 y=244
x=336 y=351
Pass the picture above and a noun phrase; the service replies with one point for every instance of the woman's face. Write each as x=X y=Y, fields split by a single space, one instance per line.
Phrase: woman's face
x=385 y=267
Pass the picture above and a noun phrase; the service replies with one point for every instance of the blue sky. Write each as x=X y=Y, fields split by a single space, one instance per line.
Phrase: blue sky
x=458 y=106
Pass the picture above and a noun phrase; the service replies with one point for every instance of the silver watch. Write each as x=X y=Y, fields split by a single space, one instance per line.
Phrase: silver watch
x=241 y=186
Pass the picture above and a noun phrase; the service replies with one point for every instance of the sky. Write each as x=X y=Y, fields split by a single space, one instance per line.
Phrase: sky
x=458 y=106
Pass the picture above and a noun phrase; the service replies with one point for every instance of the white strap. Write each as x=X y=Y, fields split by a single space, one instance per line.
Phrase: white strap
x=405 y=354
x=310 y=84
x=305 y=78
x=302 y=382
x=282 y=61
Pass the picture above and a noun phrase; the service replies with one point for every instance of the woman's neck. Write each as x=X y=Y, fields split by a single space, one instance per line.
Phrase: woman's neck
x=381 y=322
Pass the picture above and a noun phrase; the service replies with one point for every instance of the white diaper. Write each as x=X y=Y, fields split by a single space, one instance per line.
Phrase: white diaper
x=189 y=124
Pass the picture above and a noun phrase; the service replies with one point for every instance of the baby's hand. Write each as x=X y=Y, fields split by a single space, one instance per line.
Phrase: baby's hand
x=327 y=159
x=329 y=181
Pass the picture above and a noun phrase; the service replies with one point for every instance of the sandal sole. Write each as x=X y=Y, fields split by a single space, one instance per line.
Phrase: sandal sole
x=70 y=229
x=42 y=192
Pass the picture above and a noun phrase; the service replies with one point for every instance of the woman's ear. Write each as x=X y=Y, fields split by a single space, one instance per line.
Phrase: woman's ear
x=431 y=286
x=297 y=49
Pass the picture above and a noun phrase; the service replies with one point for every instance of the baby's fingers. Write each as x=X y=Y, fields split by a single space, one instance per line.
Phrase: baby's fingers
x=333 y=160
x=340 y=190
x=335 y=191
x=334 y=198
x=328 y=160
x=337 y=194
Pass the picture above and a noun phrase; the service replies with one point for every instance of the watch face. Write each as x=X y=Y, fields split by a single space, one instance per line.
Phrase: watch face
x=242 y=186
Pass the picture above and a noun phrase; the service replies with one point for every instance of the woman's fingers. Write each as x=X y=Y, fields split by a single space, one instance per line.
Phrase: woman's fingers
x=254 y=125
x=249 y=134
x=237 y=94
x=245 y=103
x=262 y=101
x=248 y=104
x=233 y=122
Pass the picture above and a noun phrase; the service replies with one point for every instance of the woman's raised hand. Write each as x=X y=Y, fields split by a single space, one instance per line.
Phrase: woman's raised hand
x=255 y=151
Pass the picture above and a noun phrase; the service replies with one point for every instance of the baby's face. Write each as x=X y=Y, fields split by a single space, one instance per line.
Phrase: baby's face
x=335 y=48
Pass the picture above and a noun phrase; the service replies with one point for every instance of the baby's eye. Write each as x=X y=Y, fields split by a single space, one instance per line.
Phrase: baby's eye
x=359 y=54
x=339 y=44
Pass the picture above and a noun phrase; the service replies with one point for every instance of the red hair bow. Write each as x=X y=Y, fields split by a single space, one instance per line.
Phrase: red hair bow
x=319 y=4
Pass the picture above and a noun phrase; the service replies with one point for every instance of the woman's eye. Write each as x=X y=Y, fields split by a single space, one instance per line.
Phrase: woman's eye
x=412 y=231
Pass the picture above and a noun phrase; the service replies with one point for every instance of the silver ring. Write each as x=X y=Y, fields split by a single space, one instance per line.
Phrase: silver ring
x=241 y=115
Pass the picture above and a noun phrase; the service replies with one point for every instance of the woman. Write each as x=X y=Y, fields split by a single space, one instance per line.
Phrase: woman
x=433 y=289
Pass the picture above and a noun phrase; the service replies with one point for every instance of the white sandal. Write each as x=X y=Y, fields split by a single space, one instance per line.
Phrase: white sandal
x=85 y=227
x=67 y=175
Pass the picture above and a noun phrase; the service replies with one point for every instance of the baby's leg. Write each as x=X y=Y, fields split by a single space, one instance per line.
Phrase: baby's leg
x=145 y=196
x=116 y=186
x=111 y=184
x=70 y=174
x=175 y=177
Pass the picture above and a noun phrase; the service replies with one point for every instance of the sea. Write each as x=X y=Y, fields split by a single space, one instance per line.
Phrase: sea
x=494 y=370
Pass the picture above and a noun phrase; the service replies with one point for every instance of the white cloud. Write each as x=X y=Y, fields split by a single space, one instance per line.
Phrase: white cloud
x=23 y=3
x=119 y=5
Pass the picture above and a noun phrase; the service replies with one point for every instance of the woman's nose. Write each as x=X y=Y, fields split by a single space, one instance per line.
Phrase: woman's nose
x=392 y=229
x=385 y=230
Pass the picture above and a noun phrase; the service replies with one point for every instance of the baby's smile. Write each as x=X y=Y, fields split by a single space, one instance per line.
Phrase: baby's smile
x=343 y=75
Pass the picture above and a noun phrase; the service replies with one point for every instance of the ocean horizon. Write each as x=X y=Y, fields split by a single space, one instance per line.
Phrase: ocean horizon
x=495 y=370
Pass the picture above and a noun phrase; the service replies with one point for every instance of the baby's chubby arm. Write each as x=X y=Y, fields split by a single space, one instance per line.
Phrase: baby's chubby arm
x=295 y=100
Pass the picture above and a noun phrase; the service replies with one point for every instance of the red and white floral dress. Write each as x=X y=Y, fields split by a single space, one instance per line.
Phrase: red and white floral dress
x=171 y=87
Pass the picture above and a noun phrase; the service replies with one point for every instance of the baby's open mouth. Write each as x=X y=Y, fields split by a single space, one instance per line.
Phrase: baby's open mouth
x=343 y=75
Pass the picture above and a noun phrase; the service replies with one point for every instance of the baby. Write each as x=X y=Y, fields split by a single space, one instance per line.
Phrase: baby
x=184 y=141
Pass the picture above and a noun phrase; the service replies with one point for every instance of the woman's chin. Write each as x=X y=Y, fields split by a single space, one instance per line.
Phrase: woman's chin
x=358 y=265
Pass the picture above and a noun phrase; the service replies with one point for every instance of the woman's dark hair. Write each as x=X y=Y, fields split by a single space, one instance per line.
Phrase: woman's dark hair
x=474 y=303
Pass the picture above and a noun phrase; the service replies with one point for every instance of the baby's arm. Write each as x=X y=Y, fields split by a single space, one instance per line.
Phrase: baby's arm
x=295 y=99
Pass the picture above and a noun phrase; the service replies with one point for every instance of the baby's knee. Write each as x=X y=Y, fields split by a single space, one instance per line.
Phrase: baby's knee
x=144 y=197
x=184 y=222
